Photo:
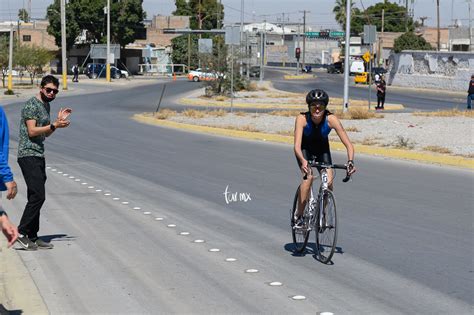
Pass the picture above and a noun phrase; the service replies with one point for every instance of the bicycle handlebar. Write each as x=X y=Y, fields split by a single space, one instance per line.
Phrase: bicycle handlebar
x=314 y=163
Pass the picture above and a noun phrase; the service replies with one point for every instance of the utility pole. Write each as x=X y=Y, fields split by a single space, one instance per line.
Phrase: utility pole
x=381 y=40
x=63 y=43
x=241 y=71
x=437 y=14
x=470 y=27
x=304 y=37
x=406 y=15
x=10 y=60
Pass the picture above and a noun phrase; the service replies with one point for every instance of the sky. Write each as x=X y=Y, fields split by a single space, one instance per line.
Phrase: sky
x=319 y=16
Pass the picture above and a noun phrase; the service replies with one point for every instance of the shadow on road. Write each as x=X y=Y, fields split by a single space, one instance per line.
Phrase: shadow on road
x=310 y=250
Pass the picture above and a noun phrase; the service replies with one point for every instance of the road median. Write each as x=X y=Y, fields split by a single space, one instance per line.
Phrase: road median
x=425 y=157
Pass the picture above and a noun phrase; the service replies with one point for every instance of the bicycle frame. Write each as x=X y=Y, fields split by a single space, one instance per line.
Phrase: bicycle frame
x=314 y=204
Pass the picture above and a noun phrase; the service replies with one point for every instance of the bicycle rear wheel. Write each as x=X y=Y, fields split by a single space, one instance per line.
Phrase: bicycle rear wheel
x=326 y=228
x=300 y=235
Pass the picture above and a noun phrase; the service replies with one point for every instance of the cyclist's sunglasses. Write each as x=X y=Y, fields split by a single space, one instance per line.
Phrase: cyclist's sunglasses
x=49 y=90
x=312 y=107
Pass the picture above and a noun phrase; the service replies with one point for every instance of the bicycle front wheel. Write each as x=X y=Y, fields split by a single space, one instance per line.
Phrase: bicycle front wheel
x=300 y=234
x=326 y=227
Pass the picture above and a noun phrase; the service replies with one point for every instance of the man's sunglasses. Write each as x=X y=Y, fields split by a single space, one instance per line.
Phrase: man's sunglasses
x=312 y=108
x=50 y=90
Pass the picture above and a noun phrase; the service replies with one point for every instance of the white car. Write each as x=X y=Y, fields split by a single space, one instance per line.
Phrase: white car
x=200 y=75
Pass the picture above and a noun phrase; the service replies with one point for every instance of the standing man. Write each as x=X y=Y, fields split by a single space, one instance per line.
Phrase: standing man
x=75 y=71
x=35 y=126
x=381 y=91
x=470 y=92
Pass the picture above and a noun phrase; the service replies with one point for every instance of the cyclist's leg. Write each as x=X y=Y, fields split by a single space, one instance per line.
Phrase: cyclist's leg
x=305 y=185
x=326 y=158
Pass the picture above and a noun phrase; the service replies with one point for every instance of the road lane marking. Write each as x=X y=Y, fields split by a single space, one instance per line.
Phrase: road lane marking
x=198 y=241
x=251 y=271
x=298 y=297
x=171 y=225
x=214 y=250
x=275 y=284
x=125 y=202
x=159 y=219
x=137 y=208
x=230 y=259
x=184 y=233
x=115 y=198
x=146 y=212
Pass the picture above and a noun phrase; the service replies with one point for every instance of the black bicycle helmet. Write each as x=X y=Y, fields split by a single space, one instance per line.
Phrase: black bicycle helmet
x=318 y=96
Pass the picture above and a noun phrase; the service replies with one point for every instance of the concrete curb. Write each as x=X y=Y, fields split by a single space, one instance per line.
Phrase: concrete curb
x=299 y=77
x=359 y=148
x=18 y=292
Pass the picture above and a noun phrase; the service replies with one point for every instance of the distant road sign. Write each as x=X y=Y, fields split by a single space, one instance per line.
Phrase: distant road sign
x=337 y=34
x=311 y=34
x=366 y=56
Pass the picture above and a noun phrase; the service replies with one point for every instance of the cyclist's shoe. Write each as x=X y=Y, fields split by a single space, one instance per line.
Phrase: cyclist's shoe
x=299 y=222
x=26 y=243
x=43 y=245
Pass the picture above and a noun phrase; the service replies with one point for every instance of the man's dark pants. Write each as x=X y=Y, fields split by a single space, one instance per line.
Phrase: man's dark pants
x=34 y=172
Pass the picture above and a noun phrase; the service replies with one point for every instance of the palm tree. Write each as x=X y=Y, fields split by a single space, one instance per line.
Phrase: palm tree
x=340 y=11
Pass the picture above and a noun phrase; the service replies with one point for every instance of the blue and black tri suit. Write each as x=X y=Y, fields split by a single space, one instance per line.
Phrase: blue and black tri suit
x=315 y=141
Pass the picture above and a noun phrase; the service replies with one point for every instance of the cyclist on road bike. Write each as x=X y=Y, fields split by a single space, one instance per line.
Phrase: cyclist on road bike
x=312 y=130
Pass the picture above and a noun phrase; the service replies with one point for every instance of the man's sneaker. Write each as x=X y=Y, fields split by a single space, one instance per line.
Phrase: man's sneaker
x=26 y=243
x=43 y=245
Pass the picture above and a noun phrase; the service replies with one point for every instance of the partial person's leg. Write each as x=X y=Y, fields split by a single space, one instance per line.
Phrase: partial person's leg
x=383 y=100
x=469 y=99
x=34 y=174
x=305 y=186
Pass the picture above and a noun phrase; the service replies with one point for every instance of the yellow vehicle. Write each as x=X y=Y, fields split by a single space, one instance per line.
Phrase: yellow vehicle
x=362 y=78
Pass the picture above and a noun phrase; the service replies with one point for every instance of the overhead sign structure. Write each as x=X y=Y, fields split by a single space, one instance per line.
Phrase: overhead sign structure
x=370 y=34
x=325 y=34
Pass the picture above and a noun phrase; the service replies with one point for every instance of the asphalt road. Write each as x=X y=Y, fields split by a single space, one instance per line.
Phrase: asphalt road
x=406 y=234
x=333 y=84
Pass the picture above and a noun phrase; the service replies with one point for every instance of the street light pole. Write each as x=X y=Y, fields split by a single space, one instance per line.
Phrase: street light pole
x=241 y=35
x=346 y=57
x=108 y=43
x=63 y=43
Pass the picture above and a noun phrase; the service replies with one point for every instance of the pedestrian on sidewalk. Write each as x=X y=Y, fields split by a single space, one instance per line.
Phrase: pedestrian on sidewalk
x=470 y=92
x=75 y=71
x=35 y=126
x=6 y=183
x=381 y=91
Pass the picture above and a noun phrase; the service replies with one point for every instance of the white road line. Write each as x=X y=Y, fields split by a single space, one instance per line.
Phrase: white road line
x=251 y=271
x=90 y=187
x=230 y=259
x=184 y=233
x=298 y=297
x=275 y=284
x=125 y=202
x=77 y=180
x=107 y=194
x=137 y=208
x=146 y=212
x=214 y=250
x=116 y=198
x=171 y=225
x=84 y=183
x=159 y=219
x=198 y=241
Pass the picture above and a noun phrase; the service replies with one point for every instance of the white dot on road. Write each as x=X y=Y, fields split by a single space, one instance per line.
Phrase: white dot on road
x=84 y=183
x=184 y=233
x=116 y=198
x=107 y=194
x=77 y=180
x=231 y=259
x=159 y=219
x=171 y=225
x=198 y=241
x=125 y=202
x=98 y=190
x=298 y=297
x=71 y=177
x=54 y=170
x=65 y=174
x=60 y=172
x=251 y=270
x=91 y=187
x=275 y=284
x=137 y=208
x=48 y=167
x=147 y=212
x=326 y=313
x=214 y=250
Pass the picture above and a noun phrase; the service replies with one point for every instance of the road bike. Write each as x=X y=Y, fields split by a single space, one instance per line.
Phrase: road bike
x=319 y=215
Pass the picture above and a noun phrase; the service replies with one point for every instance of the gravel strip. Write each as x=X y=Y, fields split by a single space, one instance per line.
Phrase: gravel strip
x=405 y=129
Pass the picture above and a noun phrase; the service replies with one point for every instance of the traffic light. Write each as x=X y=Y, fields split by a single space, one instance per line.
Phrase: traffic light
x=297 y=53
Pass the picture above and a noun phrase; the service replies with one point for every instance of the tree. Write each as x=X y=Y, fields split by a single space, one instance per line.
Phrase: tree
x=32 y=59
x=395 y=17
x=23 y=15
x=410 y=41
x=126 y=19
x=4 y=44
x=357 y=23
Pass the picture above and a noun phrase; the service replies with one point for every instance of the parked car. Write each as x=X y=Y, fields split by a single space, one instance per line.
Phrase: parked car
x=98 y=70
x=202 y=75
x=254 y=71
x=337 y=67
x=357 y=67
